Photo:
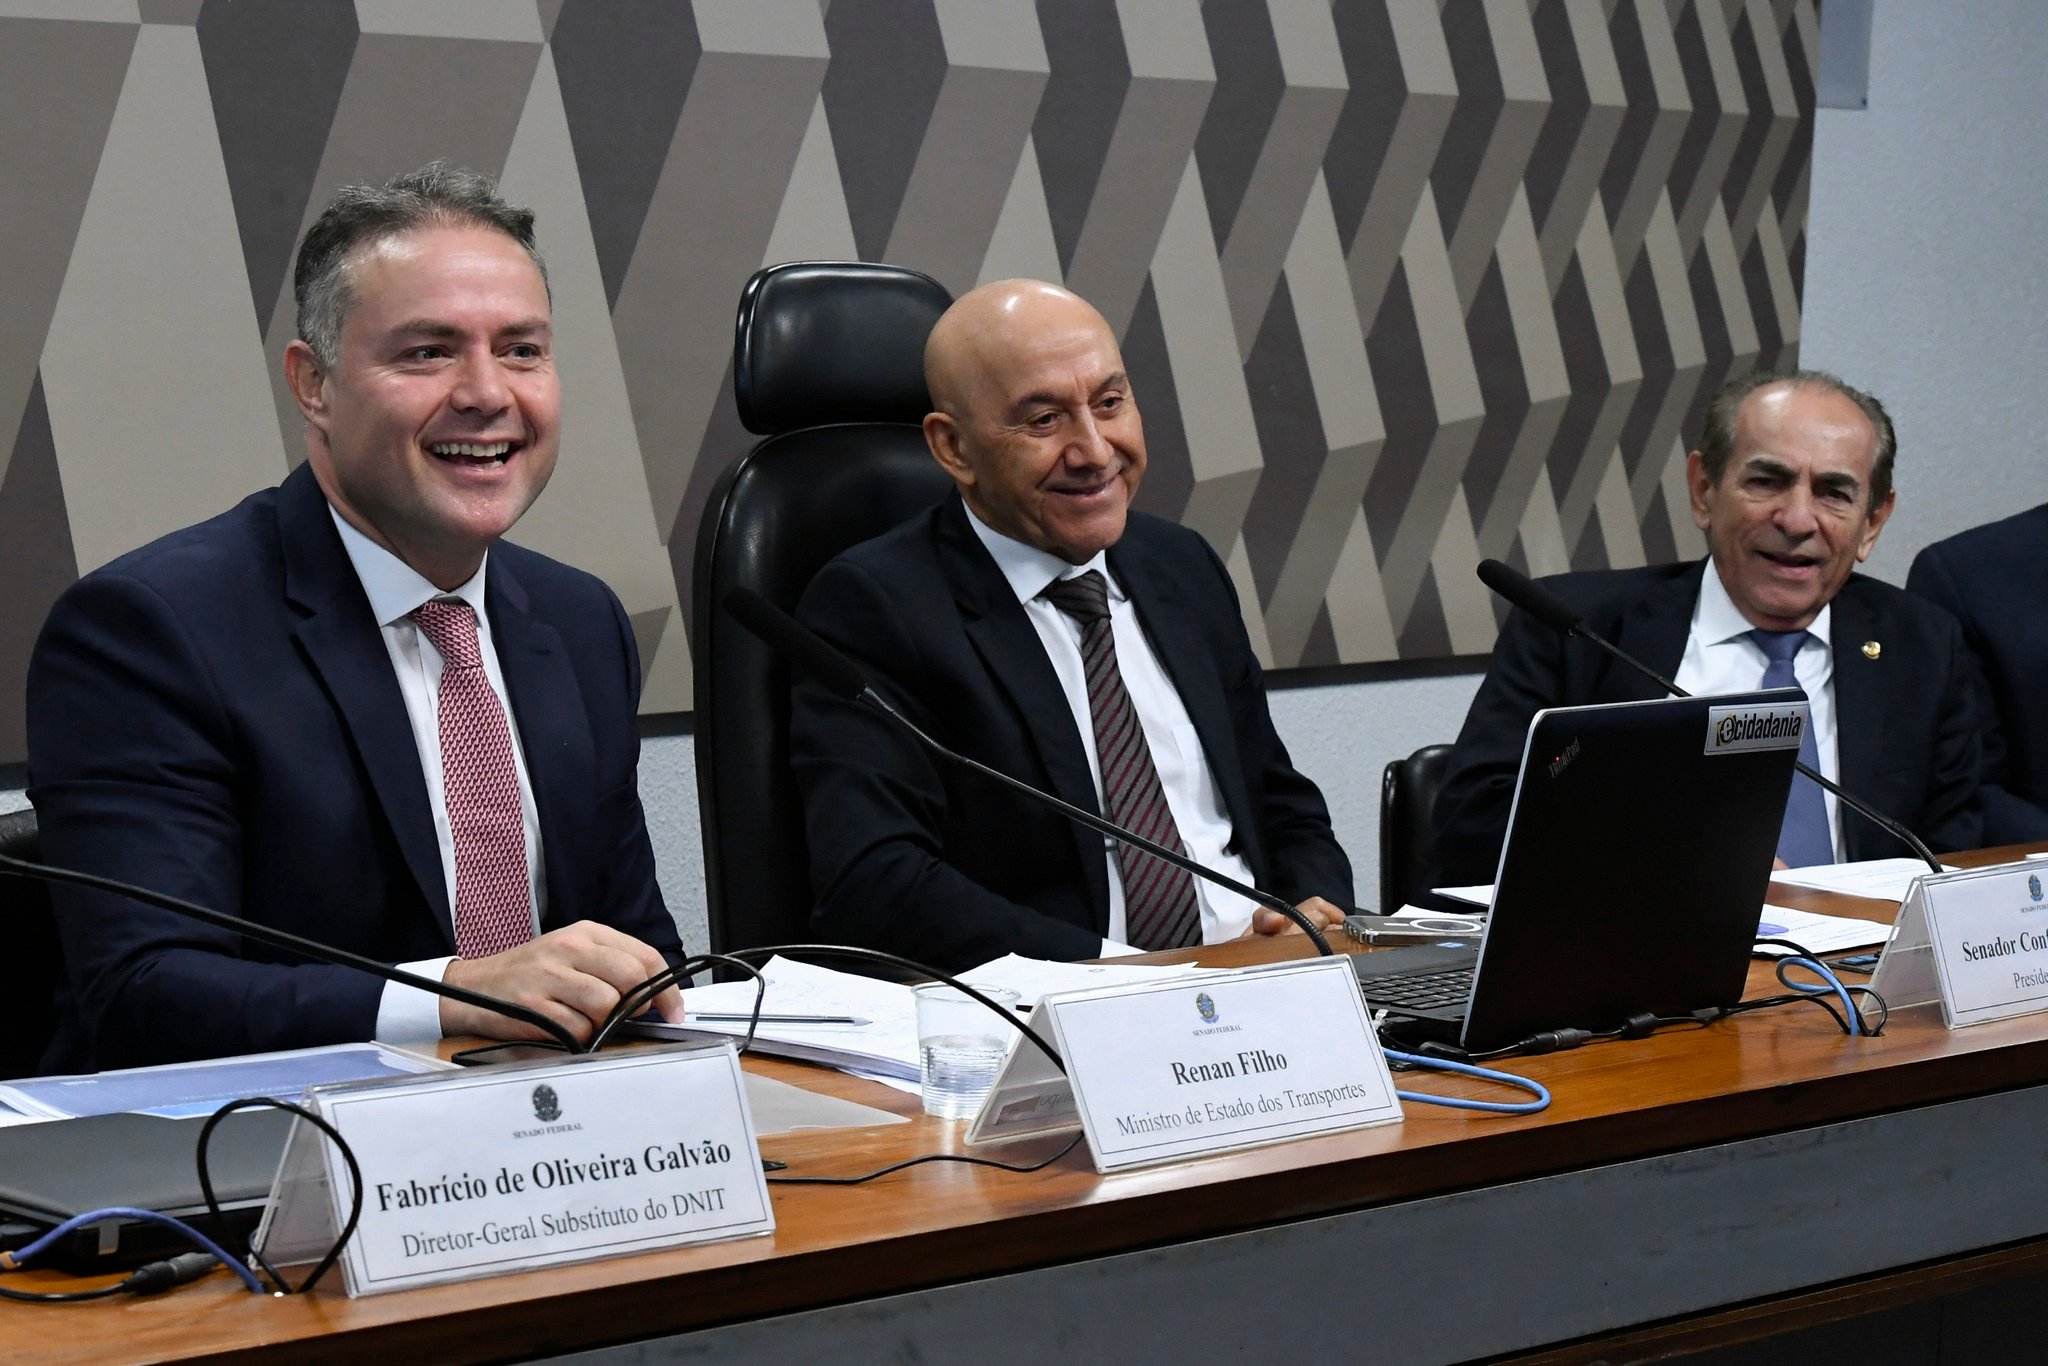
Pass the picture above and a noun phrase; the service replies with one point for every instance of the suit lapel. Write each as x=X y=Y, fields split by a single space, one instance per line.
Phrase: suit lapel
x=1009 y=646
x=1861 y=713
x=342 y=642
x=1654 y=628
x=554 y=735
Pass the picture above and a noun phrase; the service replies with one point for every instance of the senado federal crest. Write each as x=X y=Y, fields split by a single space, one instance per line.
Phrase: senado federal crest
x=1743 y=730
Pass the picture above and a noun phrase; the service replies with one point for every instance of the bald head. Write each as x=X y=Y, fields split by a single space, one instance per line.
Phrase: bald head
x=1034 y=417
x=976 y=340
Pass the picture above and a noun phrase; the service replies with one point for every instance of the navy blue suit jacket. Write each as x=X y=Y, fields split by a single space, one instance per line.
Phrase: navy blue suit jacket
x=1905 y=724
x=215 y=716
x=921 y=857
x=1993 y=580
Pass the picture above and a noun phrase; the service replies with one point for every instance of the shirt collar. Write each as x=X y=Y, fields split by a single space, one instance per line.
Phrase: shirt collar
x=1028 y=569
x=1716 y=620
x=395 y=589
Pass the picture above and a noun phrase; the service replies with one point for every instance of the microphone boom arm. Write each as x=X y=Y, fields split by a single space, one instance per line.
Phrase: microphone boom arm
x=284 y=939
x=1107 y=827
x=1877 y=818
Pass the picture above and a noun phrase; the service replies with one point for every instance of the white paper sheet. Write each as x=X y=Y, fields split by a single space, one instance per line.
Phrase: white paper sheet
x=1817 y=933
x=885 y=1043
x=1032 y=978
x=1882 y=879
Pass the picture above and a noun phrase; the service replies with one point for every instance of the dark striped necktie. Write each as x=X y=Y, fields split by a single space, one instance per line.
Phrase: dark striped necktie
x=1160 y=911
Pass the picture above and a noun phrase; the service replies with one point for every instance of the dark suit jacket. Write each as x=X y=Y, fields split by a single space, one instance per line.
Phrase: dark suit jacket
x=1994 y=580
x=917 y=856
x=215 y=716
x=1905 y=726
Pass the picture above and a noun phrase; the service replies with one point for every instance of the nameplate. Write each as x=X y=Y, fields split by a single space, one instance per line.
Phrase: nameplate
x=1197 y=1065
x=1977 y=941
x=479 y=1173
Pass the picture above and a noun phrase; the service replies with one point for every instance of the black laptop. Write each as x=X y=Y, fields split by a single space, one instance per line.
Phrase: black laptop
x=1637 y=857
x=53 y=1171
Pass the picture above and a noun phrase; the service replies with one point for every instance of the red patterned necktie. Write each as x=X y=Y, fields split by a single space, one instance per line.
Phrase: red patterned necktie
x=1160 y=910
x=493 y=901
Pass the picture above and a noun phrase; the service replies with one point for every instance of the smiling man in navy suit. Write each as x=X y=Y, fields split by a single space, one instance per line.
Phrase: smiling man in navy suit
x=344 y=708
x=1039 y=625
x=1792 y=484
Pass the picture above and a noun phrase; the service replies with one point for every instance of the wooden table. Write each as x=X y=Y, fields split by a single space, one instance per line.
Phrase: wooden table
x=1712 y=1184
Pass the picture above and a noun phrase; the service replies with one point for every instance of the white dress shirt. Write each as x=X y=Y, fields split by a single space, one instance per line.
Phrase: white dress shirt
x=1721 y=658
x=1190 y=788
x=395 y=590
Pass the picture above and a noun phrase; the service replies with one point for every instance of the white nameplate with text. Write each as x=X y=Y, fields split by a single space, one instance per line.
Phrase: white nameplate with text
x=503 y=1169
x=1198 y=1065
x=1977 y=941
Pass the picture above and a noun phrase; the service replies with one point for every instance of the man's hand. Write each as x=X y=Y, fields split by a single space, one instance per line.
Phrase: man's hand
x=573 y=975
x=1320 y=913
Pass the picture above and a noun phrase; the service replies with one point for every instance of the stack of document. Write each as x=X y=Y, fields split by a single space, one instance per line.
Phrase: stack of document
x=840 y=1019
x=861 y=1025
x=1882 y=879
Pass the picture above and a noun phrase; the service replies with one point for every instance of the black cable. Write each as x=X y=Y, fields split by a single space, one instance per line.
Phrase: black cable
x=637 y=998
x=355 y=1176
x=147 y=1279
x=66 y=1296
x=967 y=1158
x=1566 y=1039
x=152 y=1278
x=1799 y=950
x=1795 y=997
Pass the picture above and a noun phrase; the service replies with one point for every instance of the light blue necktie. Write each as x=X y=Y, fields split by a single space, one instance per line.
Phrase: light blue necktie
x=1804 y=839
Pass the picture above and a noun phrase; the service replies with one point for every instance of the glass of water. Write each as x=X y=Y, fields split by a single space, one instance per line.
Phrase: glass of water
x=960 y=1045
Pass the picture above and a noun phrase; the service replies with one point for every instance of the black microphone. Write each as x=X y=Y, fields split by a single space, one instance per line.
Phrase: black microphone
x=1540 y=603
x=284 y=939
x=811 y=655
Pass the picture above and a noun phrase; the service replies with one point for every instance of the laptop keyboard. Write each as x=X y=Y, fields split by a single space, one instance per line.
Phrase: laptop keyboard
x=1421 y=990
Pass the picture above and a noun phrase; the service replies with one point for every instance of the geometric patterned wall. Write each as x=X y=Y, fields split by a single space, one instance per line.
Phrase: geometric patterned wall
x=1401 y=284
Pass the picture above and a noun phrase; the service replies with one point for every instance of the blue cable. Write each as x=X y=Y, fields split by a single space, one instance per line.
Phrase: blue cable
x=149 y=1216
x=1503 y=1107
x=1828 y=982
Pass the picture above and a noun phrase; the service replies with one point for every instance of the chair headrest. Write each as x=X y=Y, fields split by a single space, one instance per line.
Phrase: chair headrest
x=833 y=341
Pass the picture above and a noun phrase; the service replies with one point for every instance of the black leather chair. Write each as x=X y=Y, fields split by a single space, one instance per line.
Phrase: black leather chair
x=828 y=367
x=1408 y=793
x=31 y=965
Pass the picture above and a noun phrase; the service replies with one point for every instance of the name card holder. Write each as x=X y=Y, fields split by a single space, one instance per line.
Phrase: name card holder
x=1976 y=941
x=1197 y=1065
x=511 y=1168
